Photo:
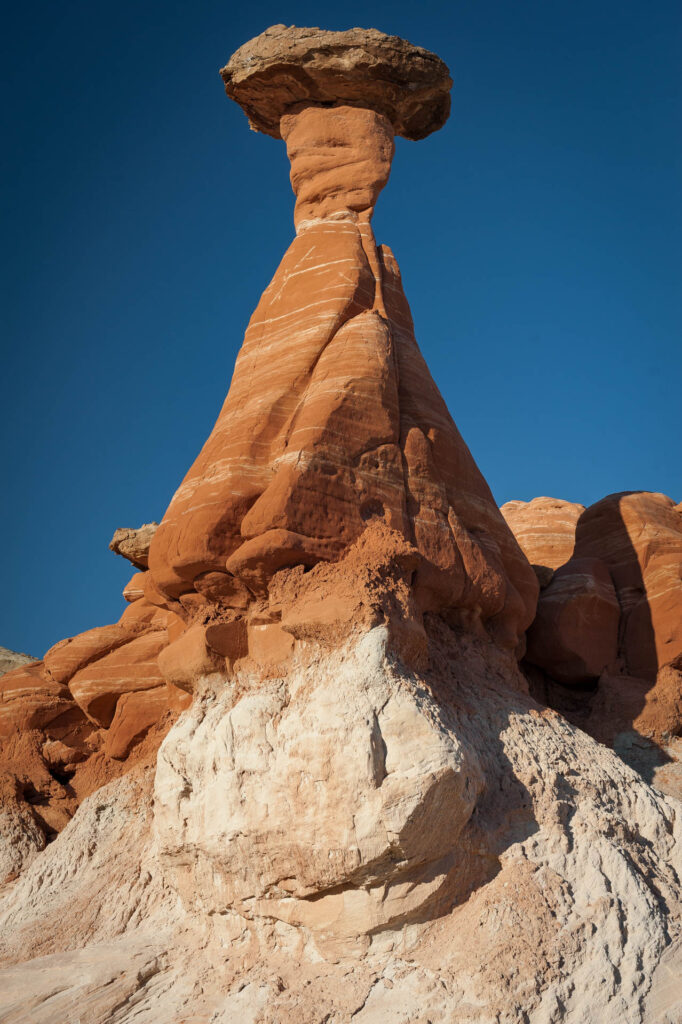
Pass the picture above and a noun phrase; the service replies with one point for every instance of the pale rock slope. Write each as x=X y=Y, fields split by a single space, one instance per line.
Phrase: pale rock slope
x=356 y=841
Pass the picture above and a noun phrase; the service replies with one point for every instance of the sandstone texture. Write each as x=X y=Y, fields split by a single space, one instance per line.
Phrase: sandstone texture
x=93 y=707
x=12 y=659
x=305 y=778
x=575 y=632
x=346 y=428
x=500 y=865
x=134 y=544
x=286 y=66
x=545 y=530
x=606 y=644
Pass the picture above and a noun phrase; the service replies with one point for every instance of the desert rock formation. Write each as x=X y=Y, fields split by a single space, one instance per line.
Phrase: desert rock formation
x=302 y=778
x=432 y=847
x=346 y=427
x=133 y=544
x=13 y=659
x=606 y=644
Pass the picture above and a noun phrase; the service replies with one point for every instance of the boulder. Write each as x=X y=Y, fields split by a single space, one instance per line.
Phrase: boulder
x=574 y=636
x=545 y=531
x=639 y=536
x=133 y=544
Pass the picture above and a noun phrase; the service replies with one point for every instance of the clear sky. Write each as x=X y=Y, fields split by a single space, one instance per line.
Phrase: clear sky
x=538 y=236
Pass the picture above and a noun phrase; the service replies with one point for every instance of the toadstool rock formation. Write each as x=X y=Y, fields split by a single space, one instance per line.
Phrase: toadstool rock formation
x=304 y=775
x=342 y=430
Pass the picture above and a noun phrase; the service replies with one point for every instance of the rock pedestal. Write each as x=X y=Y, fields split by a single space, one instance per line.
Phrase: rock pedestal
x=337 y=800
x=333 y=423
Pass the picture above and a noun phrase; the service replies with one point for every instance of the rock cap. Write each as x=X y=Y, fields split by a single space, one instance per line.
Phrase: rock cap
x=362 y=67
x=133 y=544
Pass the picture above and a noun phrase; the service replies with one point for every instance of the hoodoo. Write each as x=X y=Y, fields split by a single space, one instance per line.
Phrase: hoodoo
x=333 y=426
x=302 y=779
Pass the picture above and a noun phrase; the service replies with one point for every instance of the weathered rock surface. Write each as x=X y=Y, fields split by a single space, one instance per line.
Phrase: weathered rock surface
x=608 y=630
x=574 y=636
x=95 y=706
x=502 y=866
x=639 y=536
x=545 y=531
x=319 y=439
x=636 y=537
x=133 y=544
x=287 y=66
x=302 y=779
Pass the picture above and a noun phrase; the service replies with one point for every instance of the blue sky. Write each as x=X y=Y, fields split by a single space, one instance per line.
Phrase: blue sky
x=538 y=236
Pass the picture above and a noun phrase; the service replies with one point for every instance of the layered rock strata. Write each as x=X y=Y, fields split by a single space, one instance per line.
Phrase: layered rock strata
x=430 y=847
x=302 y=779
x=609 y=620
x=332 y=421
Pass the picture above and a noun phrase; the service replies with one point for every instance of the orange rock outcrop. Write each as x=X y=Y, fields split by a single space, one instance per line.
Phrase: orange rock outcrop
x=332 y=421
x=333 y=435
x=612 y=611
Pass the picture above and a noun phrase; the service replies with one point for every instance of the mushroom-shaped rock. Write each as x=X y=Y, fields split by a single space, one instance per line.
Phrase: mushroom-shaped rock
x=333 y=424
x=285 y=67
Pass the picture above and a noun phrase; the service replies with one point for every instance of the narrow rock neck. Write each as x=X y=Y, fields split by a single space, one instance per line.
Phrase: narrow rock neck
x=340 y=161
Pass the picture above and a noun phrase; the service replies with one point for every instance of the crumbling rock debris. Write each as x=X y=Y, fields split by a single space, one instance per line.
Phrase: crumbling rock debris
x=134 y=544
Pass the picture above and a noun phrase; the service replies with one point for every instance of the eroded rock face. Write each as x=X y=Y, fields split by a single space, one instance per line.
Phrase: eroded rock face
x=545 y=531
x=333 y=422
x=133 y=544
x=360 y=814
x=611 y=614
x=639 y=536
x=285 y=67
x=574 y=636
x=337 y=816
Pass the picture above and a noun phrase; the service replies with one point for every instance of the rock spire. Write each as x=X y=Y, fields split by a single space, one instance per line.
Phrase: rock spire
x=302 y=778
x=333 y=426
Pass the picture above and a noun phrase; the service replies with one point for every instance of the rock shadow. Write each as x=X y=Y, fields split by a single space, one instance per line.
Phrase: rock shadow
x=608 y=707
x=504 y=813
